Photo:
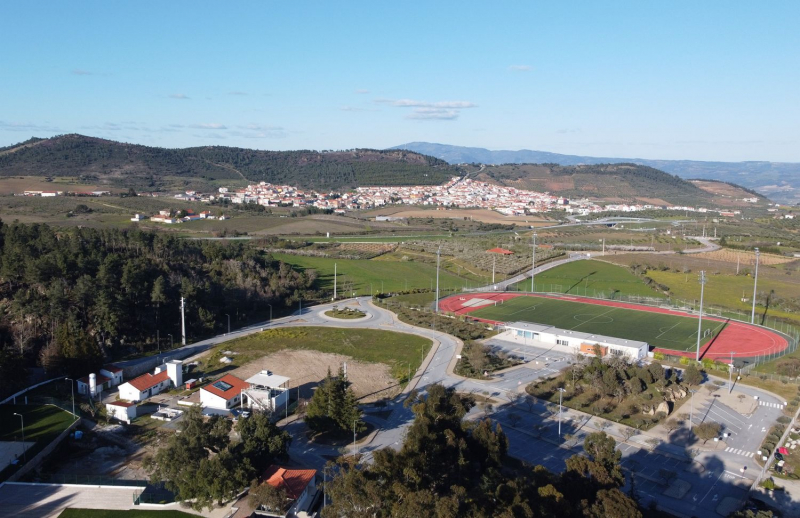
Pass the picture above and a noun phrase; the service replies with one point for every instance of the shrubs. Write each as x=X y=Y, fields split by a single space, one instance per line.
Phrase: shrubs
x=789 y=367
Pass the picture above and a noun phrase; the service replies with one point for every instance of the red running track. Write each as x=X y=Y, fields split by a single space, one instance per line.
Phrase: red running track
x=745 y=340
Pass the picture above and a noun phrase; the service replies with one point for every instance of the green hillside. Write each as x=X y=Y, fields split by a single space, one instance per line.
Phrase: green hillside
x=99 y=161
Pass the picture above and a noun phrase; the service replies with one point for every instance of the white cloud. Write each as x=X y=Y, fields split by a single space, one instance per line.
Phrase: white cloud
x=26 y=126
x=209 y=126
x=520 y=68
x=179 y=96
x=237 y=93
x=433 y=114
x=427 y=110
x=80 y=72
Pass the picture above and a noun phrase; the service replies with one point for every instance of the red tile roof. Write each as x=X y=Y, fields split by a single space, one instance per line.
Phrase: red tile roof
x=125 y=404
x=236 y=387
x=294 y=481
x=501 y=251
x=111 y=368
x=145 y=381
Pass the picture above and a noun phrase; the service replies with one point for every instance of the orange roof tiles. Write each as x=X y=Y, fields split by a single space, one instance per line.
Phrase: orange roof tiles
x=294 y=481
x=501 y=251
x=145 y=381
x=236 y=387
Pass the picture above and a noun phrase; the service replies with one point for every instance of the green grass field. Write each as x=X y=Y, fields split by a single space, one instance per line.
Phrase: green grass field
x=657 y=329
x=590 y=278
x=135 y=513
x=43 y=423
x=394 y=349
x=356 y=275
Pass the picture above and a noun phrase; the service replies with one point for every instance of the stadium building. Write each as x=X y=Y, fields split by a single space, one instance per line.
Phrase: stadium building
x=573 y=341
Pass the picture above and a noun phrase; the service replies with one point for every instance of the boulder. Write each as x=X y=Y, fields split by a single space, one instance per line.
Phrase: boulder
x=663 y=407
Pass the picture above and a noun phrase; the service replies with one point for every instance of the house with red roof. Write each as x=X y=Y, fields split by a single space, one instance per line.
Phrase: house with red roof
x=223 y=394
x=108 y=376
x=300 y=486
x=167 y=375
x=121 y=410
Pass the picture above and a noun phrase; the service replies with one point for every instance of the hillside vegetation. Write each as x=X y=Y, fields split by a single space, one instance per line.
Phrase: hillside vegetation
x=612 y=182
x=99 y=161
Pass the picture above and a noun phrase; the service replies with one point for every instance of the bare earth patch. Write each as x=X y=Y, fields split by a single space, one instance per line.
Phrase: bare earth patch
x=372 y=381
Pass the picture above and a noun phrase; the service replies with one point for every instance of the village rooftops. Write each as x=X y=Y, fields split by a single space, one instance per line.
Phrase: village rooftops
x=294 y=481
x=227 y=386
x=146 y=381
x=267 y=380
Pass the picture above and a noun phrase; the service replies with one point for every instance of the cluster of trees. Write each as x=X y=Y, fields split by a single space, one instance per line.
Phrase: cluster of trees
x=148 y=167
x=452 y=326
x=71 y=296
x=202 y=464
x=447 y=467
x=477 y=358
x=333 y=407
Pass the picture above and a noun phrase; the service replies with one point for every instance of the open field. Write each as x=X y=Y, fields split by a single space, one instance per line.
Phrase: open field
x=20 y=184
x=745 y=257
x=483 y=215
x=356 y=275
x=134 y=513
x=580 y=277
x=43 y=423
x=373 y=346
x=667 y=331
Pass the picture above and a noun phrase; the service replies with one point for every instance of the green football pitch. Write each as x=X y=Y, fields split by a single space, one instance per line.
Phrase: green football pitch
x=657 y=329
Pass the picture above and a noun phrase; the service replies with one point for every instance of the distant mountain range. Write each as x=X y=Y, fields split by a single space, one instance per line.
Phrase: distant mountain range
x=99 y=161
x=776 y=180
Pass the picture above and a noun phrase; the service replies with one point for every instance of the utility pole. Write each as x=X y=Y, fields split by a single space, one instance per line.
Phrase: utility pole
x=270 y=313
x=438 y=258
x=229 y=323
x=334 y=281
x=158 y=340
x=700 y=316
x=533 y=264
x=183 y=321
x=171 y=344
x=755 y=288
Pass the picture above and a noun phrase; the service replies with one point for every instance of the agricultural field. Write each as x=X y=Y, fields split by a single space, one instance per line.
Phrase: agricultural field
x=745 y=257
x=362 y=275
x=591 y=278
x=43 y=423
x=399 y=351
x=657 y=329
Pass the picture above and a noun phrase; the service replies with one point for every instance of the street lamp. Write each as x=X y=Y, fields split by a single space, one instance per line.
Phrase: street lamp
x=24 y=449
x=755 y=288
x=171 y=345
x=691 y=416
x=72 y=386
x=270 y=313
x=700 y=317
x=533 y=264
x=229 y=323
x=438 y=257
x=560 y=395
x=730 y=374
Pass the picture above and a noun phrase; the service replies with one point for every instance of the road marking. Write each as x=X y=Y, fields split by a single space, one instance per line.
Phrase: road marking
x=768 y=404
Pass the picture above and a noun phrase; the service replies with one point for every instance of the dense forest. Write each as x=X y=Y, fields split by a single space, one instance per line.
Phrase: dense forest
x=101 y=161
x=72 y=298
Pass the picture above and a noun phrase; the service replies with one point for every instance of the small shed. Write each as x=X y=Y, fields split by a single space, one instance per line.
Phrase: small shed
x=121 y=410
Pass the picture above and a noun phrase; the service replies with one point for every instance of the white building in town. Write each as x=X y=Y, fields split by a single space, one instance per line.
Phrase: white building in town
x=223 y=394
x=564 y=340
x=267 y=391
x=167 y=375
x=121 y=410
x=108 y=376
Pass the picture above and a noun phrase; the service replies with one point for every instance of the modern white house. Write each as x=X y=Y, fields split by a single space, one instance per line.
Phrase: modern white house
x=567 y=341
x=121 y=410
x=167 y=375
x=223 y=394
x=267 y=391
x=301 y=489
x=107 y=377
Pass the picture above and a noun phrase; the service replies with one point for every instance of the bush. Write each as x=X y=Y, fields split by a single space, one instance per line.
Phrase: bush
x=684 y=360
x=647 y=396
x=784 y=419
x=658 y=356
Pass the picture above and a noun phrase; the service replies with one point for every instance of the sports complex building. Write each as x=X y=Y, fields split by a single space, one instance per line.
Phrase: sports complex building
x=574 y=341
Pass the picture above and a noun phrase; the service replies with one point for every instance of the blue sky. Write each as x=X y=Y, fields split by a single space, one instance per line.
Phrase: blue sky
x=710 y=80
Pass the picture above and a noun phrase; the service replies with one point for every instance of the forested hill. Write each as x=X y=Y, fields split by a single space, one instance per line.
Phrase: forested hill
x=610 y=182
x=116 y=164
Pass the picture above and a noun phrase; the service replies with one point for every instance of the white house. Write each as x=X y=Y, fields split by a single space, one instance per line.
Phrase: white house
x=167 y=375
x=266 y=391
x=121 y=410
x=301 y=489
x=108 y=376
x=564 y=340
x=223 y=394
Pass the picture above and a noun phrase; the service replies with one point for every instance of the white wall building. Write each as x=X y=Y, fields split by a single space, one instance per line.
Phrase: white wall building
x=266 y=391
x=108 y=376
x=167 y=375
x=121 y=410
x=223 y=394
x=573 y=341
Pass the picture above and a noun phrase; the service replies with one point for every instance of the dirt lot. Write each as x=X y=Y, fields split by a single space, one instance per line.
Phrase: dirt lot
x=370 y=381
x=484 y=215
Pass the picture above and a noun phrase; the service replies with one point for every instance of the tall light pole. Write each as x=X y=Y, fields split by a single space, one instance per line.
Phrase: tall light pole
x=560 y=394
x=229 y=323
x=334 y=281
x=355 y=446
x=755 y=288
x=72 y=386
x=604 y=246
x=171 y=345
x=533 y=264
x=691 y=416
x=270 y=313
x=700 y=317
x=183 y=321
x=730 y=374
x=438 y=257
x=24 y=448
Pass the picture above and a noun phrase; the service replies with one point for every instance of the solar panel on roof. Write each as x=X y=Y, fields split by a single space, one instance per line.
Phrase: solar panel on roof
x=222 y=385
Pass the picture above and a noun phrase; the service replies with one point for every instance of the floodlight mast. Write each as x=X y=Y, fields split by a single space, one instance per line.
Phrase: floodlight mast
x=700 y=316
x=755 y=288
x=533 y=264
